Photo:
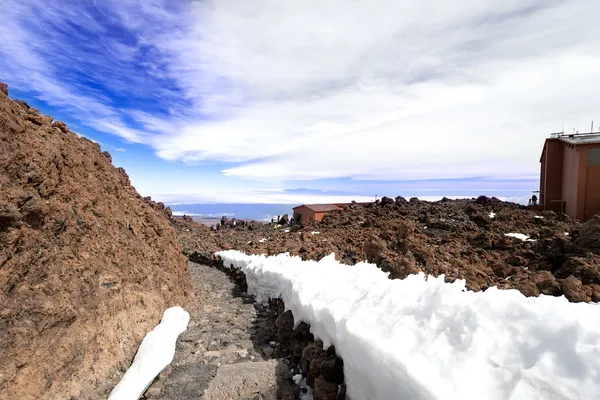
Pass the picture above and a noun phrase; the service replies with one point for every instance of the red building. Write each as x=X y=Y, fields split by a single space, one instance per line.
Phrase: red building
x=570 y=175
x=312 y=212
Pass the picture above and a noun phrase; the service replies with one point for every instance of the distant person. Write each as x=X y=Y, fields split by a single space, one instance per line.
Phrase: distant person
x=534 y=199
x=292 y=221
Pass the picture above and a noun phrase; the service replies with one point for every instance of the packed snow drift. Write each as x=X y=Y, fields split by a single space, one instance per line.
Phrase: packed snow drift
x=155 y=353
x=423 y=338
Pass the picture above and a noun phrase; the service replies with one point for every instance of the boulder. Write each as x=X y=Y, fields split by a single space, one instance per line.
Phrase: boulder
x=589 y=235
x=573 y=289
x=284 y=220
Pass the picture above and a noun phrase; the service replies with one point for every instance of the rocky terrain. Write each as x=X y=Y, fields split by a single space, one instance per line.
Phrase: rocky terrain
x=462 y=239
x=230 y=349
x=87 y=266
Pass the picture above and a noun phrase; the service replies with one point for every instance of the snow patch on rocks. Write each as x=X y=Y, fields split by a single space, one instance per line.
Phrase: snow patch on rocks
x=154 y=354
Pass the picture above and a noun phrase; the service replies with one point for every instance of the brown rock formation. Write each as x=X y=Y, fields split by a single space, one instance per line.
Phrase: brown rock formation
x=457 y=238
x=86 y=265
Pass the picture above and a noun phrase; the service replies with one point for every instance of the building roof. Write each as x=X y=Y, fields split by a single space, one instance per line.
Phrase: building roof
x=580 y=138
x=319 y=207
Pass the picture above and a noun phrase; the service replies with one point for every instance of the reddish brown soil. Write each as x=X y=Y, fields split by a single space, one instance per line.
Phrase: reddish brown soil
x=87 y=266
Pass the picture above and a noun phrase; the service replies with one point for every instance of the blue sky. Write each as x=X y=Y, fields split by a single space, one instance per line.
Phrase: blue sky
x=311 y=101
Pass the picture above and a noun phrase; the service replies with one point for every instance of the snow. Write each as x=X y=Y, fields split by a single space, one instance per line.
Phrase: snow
x=538 y=217
x=286 y=231
x=421 y=338
x=315 y=233
x=297 y=378
x=492 y=214
x=521 y=236
x=263 y=240
x=154 y=354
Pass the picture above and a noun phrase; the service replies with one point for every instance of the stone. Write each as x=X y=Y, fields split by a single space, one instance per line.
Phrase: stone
x=268 y=351
x=324 y=390
x=247 y=379
x=573 y=290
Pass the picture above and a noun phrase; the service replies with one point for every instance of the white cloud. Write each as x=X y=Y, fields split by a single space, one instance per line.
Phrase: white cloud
x=393 y=90
x=253 y=196
x=313 y=89
x=120 y=149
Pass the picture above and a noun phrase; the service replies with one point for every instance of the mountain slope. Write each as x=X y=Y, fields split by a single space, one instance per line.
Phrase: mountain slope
x=87 y=266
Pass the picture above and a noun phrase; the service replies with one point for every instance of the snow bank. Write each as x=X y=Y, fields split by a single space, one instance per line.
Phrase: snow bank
x=421 y=338
x=155 y=353
x=521 y=236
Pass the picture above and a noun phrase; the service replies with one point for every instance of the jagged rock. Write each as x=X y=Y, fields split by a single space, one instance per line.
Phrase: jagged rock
x=589 y=235
x=483 y=200
x=401 y=200
x=375 y=250
x=547 y=284
x=457 y=238
x=4 y=88
x=284 y=220
x=527 y=287
x=87 y=268
x=482 y=241
x=387 y=200
x=573 y=289
x=324 y=390
x=61 y=126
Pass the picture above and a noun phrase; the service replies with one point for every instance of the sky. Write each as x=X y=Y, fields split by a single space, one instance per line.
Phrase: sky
x=311 y=101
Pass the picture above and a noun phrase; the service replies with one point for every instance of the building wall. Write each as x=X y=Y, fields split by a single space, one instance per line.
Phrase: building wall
x=592 y=182
x=552 y=185
x=570 y=181
x=319 y=216
x=570 y=174
x=543 y=178
x=303 y=214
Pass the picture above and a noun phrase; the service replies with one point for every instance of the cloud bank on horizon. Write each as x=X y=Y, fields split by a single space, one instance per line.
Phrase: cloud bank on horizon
x=280 y=91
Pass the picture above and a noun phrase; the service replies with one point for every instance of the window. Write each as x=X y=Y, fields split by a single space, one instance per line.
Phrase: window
x=594 y=156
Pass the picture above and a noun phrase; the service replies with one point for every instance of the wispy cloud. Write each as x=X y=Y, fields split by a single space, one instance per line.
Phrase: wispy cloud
x=120 y=149
x=390 y=89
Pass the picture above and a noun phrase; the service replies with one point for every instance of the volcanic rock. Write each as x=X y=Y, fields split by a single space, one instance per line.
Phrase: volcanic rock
x=86 y=266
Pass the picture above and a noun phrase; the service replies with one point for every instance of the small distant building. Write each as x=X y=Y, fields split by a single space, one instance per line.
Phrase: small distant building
x=313 y=212
x=570 y=175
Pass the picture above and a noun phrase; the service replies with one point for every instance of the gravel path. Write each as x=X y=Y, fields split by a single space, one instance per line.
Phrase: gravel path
x=226 y=351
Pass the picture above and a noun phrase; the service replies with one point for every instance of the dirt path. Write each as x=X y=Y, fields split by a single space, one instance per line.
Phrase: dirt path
x=226 y=351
